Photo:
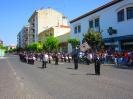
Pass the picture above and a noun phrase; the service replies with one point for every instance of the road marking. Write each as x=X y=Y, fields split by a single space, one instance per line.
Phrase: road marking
x=21 y=84
x=3 y=57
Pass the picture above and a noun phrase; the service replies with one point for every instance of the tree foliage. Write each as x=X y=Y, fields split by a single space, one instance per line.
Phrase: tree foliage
x=3 y=47
x=93 y=38
x=73 y=41
x=37 y=47
x=51 y=44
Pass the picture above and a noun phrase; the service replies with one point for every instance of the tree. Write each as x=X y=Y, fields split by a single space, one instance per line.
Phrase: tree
x=51 y=44
x=37 y=47
x=93 y=38
x=3 y=47
x=73 y=41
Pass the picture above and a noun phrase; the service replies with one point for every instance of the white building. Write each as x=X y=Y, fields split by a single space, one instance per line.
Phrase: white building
x=115 y=16
x=44 y=19
x=11 y=47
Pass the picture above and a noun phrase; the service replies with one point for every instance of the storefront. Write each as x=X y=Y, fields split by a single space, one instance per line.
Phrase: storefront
x=121 y=43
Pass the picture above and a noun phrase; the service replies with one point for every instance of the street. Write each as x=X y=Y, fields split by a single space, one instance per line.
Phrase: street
x=24 y=81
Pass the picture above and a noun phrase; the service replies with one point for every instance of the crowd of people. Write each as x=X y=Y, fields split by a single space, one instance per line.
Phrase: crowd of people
x=30 y=58
x=109 y=57
x=99 y=57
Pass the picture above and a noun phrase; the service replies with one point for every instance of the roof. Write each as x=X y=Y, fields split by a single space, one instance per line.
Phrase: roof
x=96 y=10
x=63 y=26
x=33 y=14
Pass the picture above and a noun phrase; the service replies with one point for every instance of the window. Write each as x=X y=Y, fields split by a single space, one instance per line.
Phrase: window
x=51 y=34
x=33 y=30
x=79 y=28
x=97 y=22
x=91 y=24
x=75 y=30
x=129 y=13
x=120 y=15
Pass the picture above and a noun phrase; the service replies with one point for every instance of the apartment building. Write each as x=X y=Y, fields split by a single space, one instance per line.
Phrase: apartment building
x=44 y=19
x=23 y=37
x=114 y=20
x=19 y=40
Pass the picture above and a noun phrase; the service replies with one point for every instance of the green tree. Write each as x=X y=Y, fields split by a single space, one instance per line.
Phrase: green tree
x=73 y=41
x=51 y=44
x=3 y=47
x=93 y=38
x=36 y=47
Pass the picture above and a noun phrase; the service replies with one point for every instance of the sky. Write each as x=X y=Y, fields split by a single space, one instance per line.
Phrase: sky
x=14 y=14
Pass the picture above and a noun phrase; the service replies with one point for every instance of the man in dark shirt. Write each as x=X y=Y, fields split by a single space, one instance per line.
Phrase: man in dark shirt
x=97 y=64
x=75 y=58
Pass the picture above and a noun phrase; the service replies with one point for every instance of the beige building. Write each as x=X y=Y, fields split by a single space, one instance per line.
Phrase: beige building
x=54 y=31
x=44 y=19
x=63 y=42
x=61 y=32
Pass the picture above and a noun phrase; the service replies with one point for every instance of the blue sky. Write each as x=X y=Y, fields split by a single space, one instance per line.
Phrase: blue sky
x=15 y=13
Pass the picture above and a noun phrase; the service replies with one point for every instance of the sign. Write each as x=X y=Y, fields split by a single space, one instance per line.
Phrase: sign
x=112 y=31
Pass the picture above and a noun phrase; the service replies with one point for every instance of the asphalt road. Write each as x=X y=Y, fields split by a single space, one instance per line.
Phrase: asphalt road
x=23 y=81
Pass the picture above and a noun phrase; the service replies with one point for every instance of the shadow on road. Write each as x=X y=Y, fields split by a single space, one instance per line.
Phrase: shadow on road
x=85 y=74
x=120 y=66
x=124 y=67
x=40 y=67
x=70 y=68
x=90 y=74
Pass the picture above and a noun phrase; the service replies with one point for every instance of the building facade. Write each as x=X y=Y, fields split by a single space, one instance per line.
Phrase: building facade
x=114 y=20
x=11 y=47
x=23 y=37
x=62 y=33
x=1 y=42
x=55 y=31
x=44 y=19
x=63 y=44
x=19 y=40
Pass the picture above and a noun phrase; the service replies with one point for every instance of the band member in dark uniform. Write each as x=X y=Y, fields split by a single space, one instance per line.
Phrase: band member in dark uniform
x=97 y=64
x=75 y=58
x=43 y=60
x=49 y=58
x=56 y=59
